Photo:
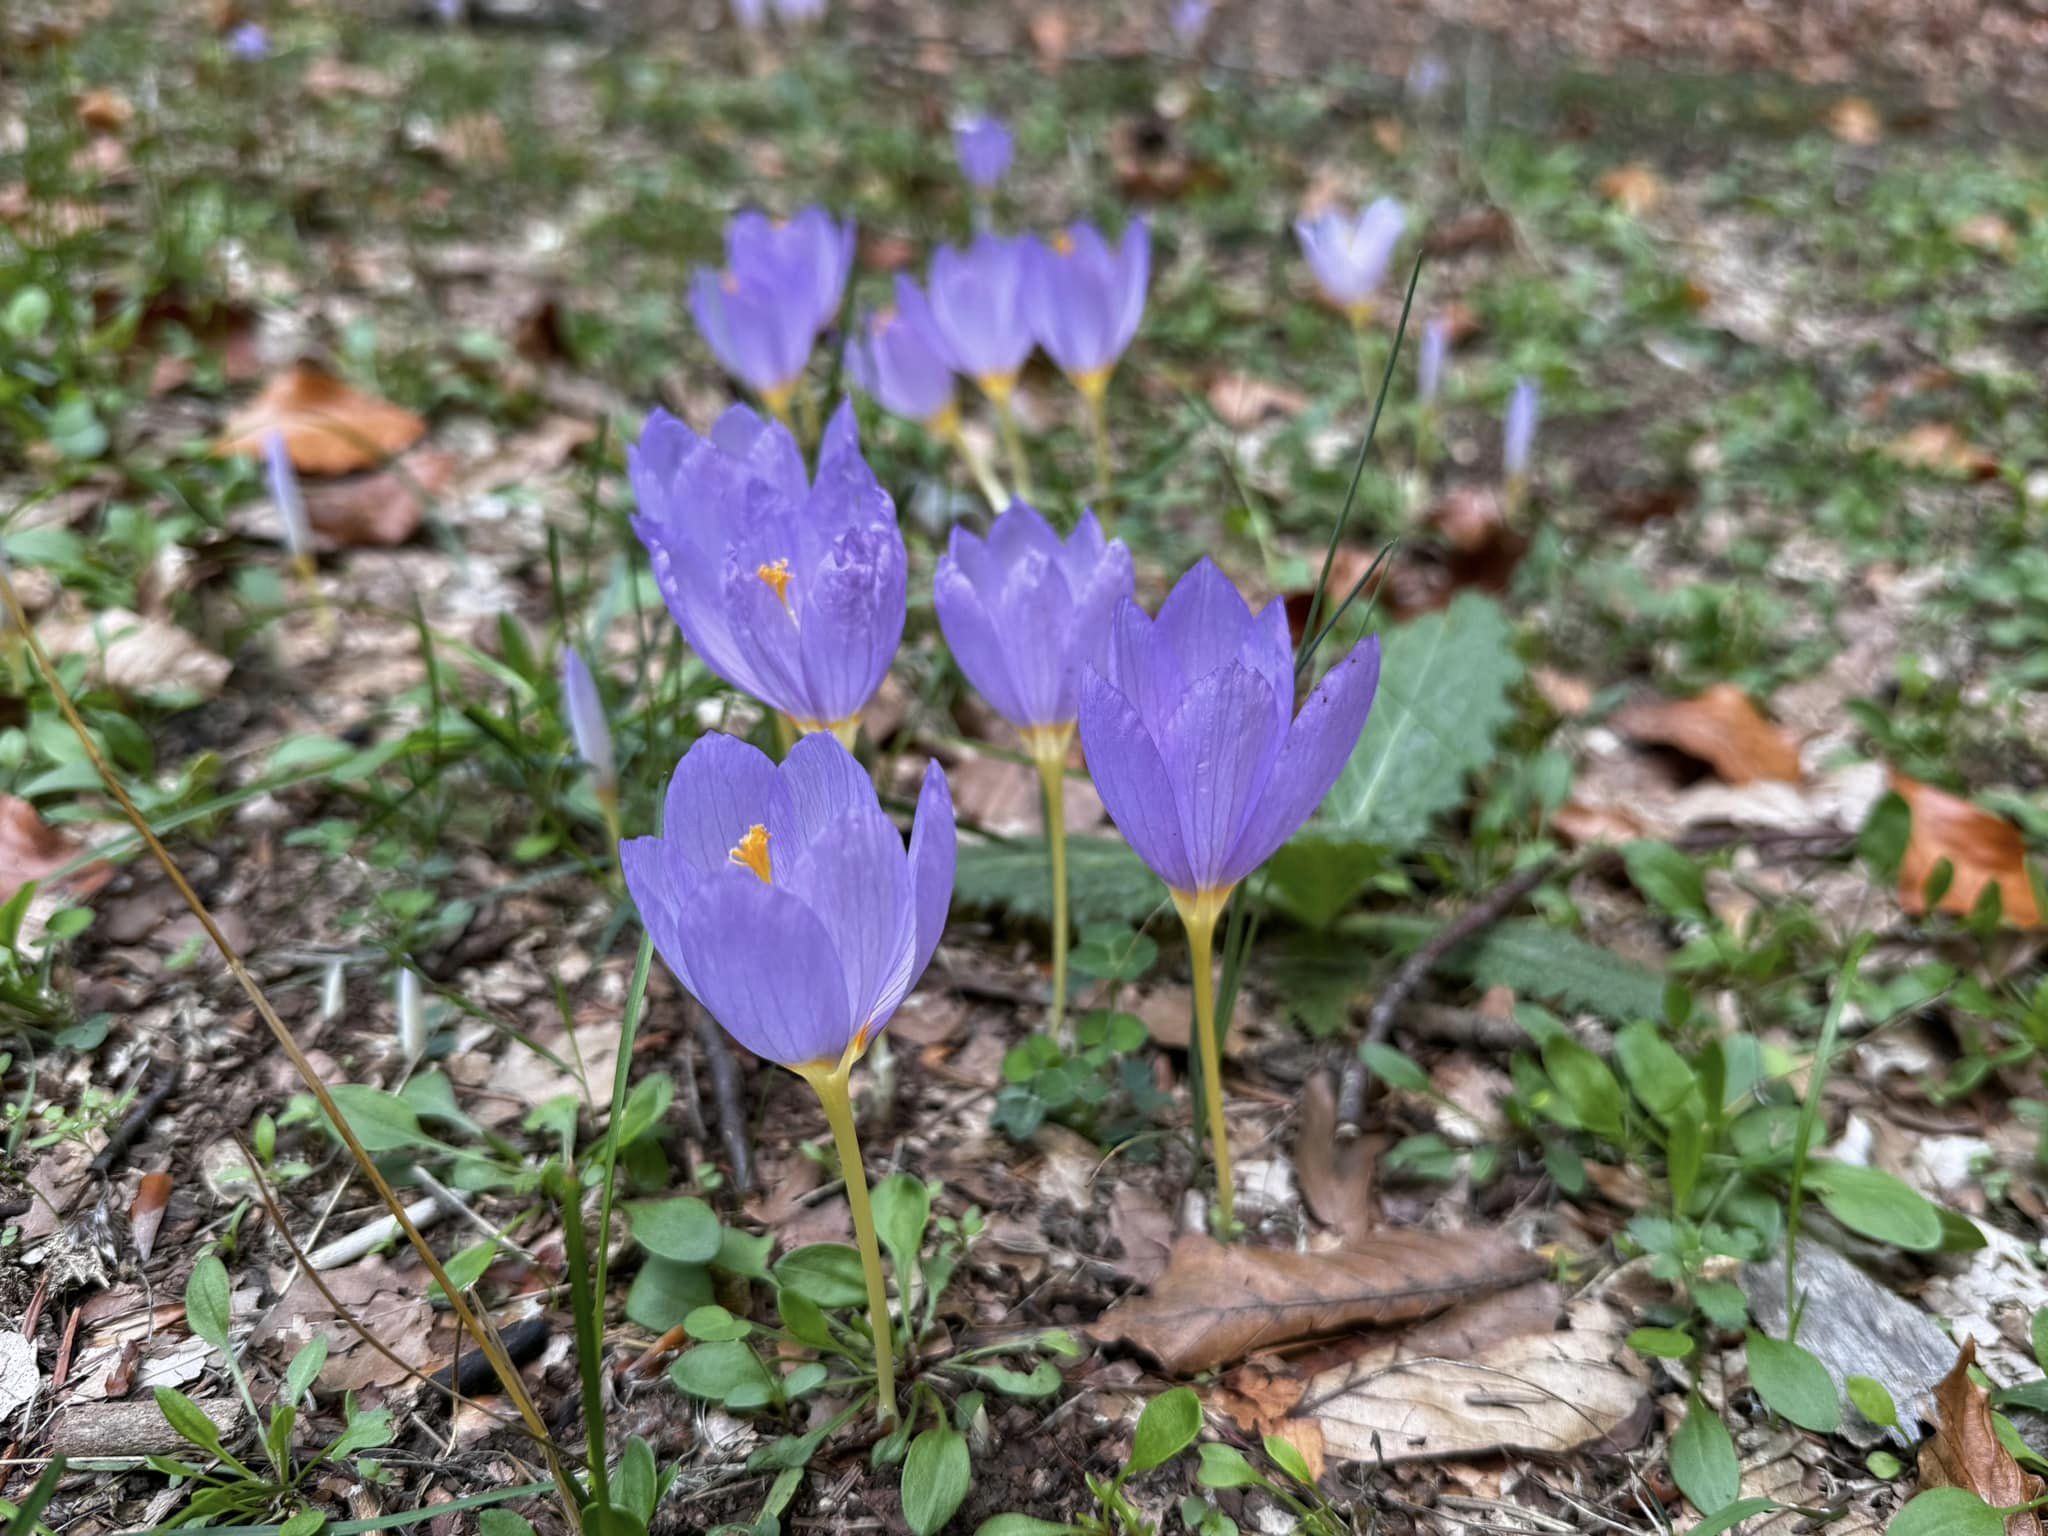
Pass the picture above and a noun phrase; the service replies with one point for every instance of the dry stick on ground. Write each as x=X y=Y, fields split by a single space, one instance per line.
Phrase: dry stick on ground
x=162 y=1085
x=486 y=1337
x=725 y=1095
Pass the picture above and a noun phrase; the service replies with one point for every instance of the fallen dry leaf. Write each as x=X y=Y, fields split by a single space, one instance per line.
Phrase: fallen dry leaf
x=1941 y=447
x=1052 y=34
x=1720 y=727
x=1854 y=120
x=1569 y=695
x=380 y=509
x=1477 y=229
x=1539 y=1391
x=1987 y=232
x=473 y=140
x=134 y=655
x=146 y=1213
x=105 y=110
x=328 y=77
x=329 y=428
x=1218 y=1303
x=1336 y=1173
x=1586 y=825
x=1471 y=518
x=1143 y=1230
x=1152 y=165
x=30 y=848
x=1634 y=188
x=1982 y=849
x=1242 y=400
x=1964 y=1452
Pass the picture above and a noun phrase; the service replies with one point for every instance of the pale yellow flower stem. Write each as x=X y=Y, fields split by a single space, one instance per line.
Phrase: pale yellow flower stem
x=309 y=578
x=1013 y=445
x=608 y=803
x=777 y=401
x=807 y=419
x=946 y=428
x=1095 y=390
x=786 y=733
x=1049 y=750
x=1199 y=911
x=830 y=1085
x=1361 y=336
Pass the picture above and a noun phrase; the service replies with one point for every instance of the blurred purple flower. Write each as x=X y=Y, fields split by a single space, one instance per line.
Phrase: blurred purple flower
x=984 y=146
x=1084 y=300
x=794 y=593
x=1429 y=363
x=1192 y=738
x=799 y=12
x=1024 y=613
x=1350 y=256
x=781 y=286
x=897 y=359
x=783 y=898
x=750 y=14
x=1189 y=19
x=249 y=41
x=285 y=494
x=1518 y=435
x=977 y=308
x=811 y=253
x=1427 y=77
x=587 y=725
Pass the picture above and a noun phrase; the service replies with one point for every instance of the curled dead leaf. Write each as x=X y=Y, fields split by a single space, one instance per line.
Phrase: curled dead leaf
x=1987 y=232
x=146 y=1213
x=1940 y=447
x=1218 y=1303
x=329 y=428
x=104 y=110
x=1964 y=1451
x=1336 y=1173
x=1854 y=120
x=381 y=509
x=32 y=849
x=1242 y=400
x=1722 y=728
x=135 y=655
x=1477 y=229
x=1586 y=825
x=1982 y=850
x=328 y=77
x=1634 y=188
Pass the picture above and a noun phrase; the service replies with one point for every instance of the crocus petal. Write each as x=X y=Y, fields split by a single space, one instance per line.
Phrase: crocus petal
x=933 y=840
x=762 y=964
x=659 y=881
x=763 y=448
x=1219 y=748
x=1318 y=745
x=1131 y=778
x=721 y=788
x=1204 y=621
x=981 y=653
x=692 y=584
x=824 y=782
x=855 y=880
x=587 y=724
x=1134 y=273
x=853 y=613
x=1142 y=666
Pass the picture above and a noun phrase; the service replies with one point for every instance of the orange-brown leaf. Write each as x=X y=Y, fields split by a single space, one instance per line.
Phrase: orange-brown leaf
x=1941 y=448
x=1981 y=849
x=1336 y=1173
x=1242 y=400
x=329 y=428
x=380 y=509
x=1217 y=1303
x=1854 y=120
x=1963 y=1451
x=30 y=849
x=105 y=110
x=1634 y=188
x=1720 y=727
x=146 y=1214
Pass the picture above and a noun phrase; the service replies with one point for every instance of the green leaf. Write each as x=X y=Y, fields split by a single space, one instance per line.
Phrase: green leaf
x=1946 y=1512
x=1884 y=1464
x=1668 y=879
x=1664 y=1343
x=903 y=1206
x=305 y=1368
x=633 y=1484
x=1872 y=1202
x=1587 y=1085
x=1886 y=831
x=365 y=1430
x=610 y=1520
x=826 y=1273
x=190 y=1421
x=1106 y=882
x=645 y=1106
x=1167 y=1427
x=1285 y=1455
x=1042 y=1380
x=1224 y=1466
x=1703 y=1462
x=743 y=1253
x=1793 y=1383
x=2040 y=1337
x=1113 y=952
x=1531 y=958
x=936 y=1477
x=383 y=1122
x=805 y=1322
x=1732 y=1516
x=1021 y=1525
x=207 y=1307
x=307 y=1522
x=714 y=1325
x=466 y=1268
x=1316 y=875
x=1873 y=1401
x=502 y=1522
x=728 y=1372
x=683 y=1229
x=1657 y=1075
x=664 y=1292
x=1393 y=1068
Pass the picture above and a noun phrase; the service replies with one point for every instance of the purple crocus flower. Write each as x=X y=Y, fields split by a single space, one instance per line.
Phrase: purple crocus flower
x=799 y=12
x=808 y=257
x=1518 y=434
x=984 y=146
x=1189 y=19
x=587 y=724
x=1429 y=362
x=783 y=898
x=1350 y=256
x=897 y=359
x=285 y=494
x=1427 y=77
x=977 y=308
x=1193 y=741
x=781 y=286
x=249 y=41
x=1085 y=300
x=1023 y=613
x=750 y=14
x=794 y=593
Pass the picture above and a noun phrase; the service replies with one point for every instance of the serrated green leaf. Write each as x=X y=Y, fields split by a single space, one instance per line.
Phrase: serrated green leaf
x=1106 y=882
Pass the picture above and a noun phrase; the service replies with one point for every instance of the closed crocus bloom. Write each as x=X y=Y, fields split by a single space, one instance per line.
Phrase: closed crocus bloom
x=1518 y=433
x=977 y=306
x=1350 y=255
x=1085 y=300
x=897 y=359
x=1189 y=19
x=790 y=591
x=807 y=257
x=1201 y=761
x=750 y=13
x=799 y=12
x=1024 y=613
x=1429 y=363
x=288 y=499
x=757 y=329
x=984 y=146
x=588 y=727
x=784 y=901
x=249 y=41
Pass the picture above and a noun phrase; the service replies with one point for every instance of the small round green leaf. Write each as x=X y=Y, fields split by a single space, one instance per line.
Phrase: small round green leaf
x=1167 y=1427
x=664 y=1292
x=1873 y=1401
x=826 y=1273
x=1664 y=1343
x=1224 y=1466
x=715 y=1325
x=1947 y=1512
x=1703 y=1461
x=683 y=1229
x=936 y=1476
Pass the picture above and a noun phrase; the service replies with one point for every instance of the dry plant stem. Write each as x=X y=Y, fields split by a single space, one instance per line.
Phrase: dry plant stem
x=830 y=1085
x=422 y=1213
x=725 y=1095
x=1199 y=911
x=486 y=1340
x=1049 y=751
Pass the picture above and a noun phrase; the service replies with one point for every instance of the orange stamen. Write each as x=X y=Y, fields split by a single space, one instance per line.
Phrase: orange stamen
x=777 y=577
x=752 y=851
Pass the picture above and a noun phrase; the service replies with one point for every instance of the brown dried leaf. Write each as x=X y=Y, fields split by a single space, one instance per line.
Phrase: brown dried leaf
x=30 y=848
x=1217 y=1303
x=1941 y=448
x=1243 y=400
x=1584 y=825
x=1963 y=1451
x=1981 y=848
x=1988 y=232
x=146 y=1214
x=1854 y=120
x=1052 y=34
x=473 y=140
x=1477 y=229
x=1720 y=727
x=104 y=110
x=380 y=509
x=131 y=654
x=329 y=428
x=1634 y=188
x=328 y=77
x=1143 y=1230
x=1336 y=1173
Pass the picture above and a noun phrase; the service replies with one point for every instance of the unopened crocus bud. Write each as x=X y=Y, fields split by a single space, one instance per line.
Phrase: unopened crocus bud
x=1518 y=435
x=984 y=146
x=898 y=359
x=977 y=306
x=750 y=14
x=1429 y=362
x=587 y=724
x=249 y=41
x=1084 y=299
x=332 y=991
x=285 y=495
x=1350 y=254
x=799 y=12
x=1189 y=19
x=1427 y=77
x=412 y=1015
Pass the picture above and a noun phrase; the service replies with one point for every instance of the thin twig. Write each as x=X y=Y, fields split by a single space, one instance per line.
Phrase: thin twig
x=725 y=1096
x=138 y=1118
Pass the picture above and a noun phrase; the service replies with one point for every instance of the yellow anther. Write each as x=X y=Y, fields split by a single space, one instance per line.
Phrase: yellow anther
x=752 y=851
x=1063 y=243
x=777 y=577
